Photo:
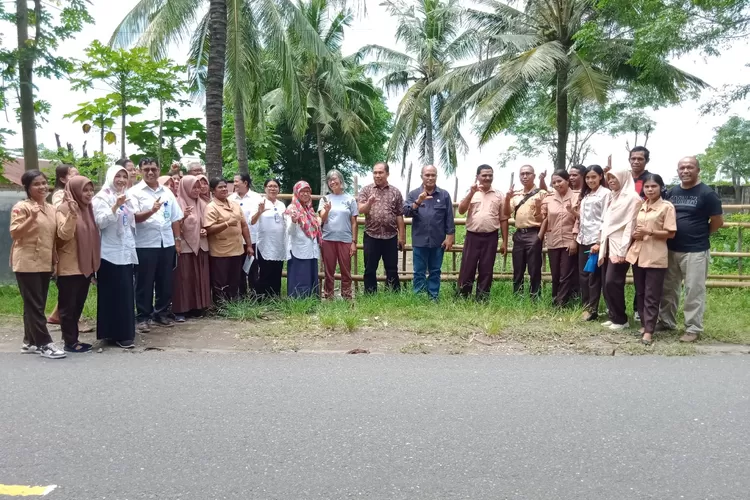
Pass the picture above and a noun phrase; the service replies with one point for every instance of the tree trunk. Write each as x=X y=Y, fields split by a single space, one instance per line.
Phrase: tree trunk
x=429 y=141
x=123 y=109
x=408 y=178
x=161 y=136
x=26 y=87
x=562 y=117
x=455 y=188
x=321 y=159
x=240 y=135
x=101 y=139
x=217 y=15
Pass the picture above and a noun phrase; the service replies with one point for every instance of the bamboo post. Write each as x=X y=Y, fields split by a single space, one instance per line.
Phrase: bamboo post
x=739 y=249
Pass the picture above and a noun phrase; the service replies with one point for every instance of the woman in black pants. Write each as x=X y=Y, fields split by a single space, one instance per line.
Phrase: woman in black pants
x=272 y=241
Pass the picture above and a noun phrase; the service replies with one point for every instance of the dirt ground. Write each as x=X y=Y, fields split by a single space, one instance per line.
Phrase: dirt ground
x=225 y=335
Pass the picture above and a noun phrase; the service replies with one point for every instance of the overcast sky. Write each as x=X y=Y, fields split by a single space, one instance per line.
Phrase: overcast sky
x=680 y=130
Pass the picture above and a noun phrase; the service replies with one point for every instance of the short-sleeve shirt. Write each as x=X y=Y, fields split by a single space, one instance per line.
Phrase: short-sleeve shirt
x=560 y=222
x=156 y=231
x=380 y=223
x=693 y=208
x=229 y=242
x=338 y=227
x=486 y=212
x=652 y=252
x=525 y=216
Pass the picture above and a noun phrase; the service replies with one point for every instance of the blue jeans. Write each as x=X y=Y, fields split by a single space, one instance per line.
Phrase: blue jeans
x=427 y=260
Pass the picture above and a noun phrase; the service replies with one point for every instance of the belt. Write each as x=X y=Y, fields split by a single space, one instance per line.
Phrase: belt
x=524 y=230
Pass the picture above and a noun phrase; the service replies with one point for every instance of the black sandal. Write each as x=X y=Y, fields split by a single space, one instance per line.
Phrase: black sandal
x=78 y=347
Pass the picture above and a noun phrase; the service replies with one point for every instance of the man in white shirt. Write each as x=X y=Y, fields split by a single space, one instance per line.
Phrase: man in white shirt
x=249 y=201
x=157 y=242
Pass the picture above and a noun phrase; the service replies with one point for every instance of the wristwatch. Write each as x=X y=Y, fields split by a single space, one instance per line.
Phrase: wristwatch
x=178 y=238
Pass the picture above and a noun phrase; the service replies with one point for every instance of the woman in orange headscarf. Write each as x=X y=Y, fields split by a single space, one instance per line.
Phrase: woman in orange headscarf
x=303 y=245
x=78 y=250
x=192 y=286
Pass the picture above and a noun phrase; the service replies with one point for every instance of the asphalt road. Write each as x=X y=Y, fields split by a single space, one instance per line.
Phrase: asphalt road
x=161 y=425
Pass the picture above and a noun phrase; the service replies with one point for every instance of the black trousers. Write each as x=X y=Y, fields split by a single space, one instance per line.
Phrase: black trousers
x=614 y=291
x=649 y=285
x=34 y=288
x=563 y=267
x=269 y=277
x=153 y=275
x=375 y=249
x=72 y=298
x=249 y=281
x=591 y=283
x=527 y=252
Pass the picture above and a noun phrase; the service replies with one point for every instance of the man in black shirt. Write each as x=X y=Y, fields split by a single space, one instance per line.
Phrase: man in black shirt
x=699 y=214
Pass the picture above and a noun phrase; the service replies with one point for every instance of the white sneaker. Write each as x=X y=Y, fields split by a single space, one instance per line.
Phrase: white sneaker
x=615 y=326
x=636 y=316
x=29 y=349
x=607 y=323
x=51 y=351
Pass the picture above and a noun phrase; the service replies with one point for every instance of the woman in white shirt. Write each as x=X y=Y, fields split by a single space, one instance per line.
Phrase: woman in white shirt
x=594 y=195
x=115 y=216
x=304 y=244
x=620 y=213
x=271 y=244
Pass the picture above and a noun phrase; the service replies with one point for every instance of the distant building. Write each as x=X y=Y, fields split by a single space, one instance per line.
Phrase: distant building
x=14 y=169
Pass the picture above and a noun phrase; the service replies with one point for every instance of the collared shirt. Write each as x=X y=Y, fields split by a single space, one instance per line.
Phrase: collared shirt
x=653 y=252
x=486 y=213
x=229 y=242
x=299 y=244
x=380 y=223
x=432 y=220
x=118 y=238
x=591 y=216
x=249 y=205
x=525 y=216
x=560 y=222
x=272 y=232
x=156 y=231
x=67 y=247
x=33 y=251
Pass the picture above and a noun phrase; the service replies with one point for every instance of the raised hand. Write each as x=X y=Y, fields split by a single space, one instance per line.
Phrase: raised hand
x=371 y=200
x=570 y=208
x=35 y=211
x=72 y=205
x=511 y=191
x=423 y=196
x=157 y=205
x=538 y=202
x=609 y=164
x=188 y=211
x=327 y=206
x=475 y=187
x=121 y=200
x=262 y=206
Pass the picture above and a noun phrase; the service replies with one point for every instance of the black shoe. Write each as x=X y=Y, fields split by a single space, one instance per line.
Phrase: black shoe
x=162 y=321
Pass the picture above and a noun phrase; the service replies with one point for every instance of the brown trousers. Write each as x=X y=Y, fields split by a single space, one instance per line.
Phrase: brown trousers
x=614 y=290
x=590 y=283
x=527 y=252
x=649 y=285
x=337 y=252
x=73 y=292
x=479 y=254
x=34 y=288
x=563 y=268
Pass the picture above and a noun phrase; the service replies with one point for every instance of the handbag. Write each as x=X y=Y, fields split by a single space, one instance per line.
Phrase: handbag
x=591 y=263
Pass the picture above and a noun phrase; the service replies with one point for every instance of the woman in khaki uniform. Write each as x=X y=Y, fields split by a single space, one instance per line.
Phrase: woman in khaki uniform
x=78 y=250
x=656 y=223
x=33 y=226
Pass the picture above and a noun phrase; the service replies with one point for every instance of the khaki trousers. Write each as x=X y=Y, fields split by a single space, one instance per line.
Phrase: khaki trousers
x=692 y=268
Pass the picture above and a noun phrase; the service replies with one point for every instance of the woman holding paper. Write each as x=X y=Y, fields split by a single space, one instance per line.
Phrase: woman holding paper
x=115 y=300
x=226 y=228
x=192 y=285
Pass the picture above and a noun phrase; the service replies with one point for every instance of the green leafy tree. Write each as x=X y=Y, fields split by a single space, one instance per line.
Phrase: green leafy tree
x=334 y=91
x=35 y=56
x=567 y=46
x=168 y=139
x=97 y=114
x=431 y=33
x=134 y=78
x=228 y=45
x=728 y=155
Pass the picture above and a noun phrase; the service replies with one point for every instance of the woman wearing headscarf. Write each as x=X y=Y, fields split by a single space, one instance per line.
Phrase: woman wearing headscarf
x=78 y=251
x=303 y=248
x=33 y=227
x=614 y=240
x=192 y=285
x=205 y=189
x=115 y=301
x=226 y=228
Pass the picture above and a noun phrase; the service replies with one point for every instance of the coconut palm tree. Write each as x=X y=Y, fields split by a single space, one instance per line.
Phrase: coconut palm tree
x=431 y=33
x=333 y=90
x=228 y=42
x=564 y=45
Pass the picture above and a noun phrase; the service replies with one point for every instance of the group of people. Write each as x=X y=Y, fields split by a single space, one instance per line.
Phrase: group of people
x=169 y=247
